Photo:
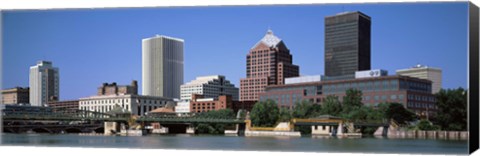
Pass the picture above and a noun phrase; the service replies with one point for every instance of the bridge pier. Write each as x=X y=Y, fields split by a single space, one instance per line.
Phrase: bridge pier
x=190 y=129
x=322 y=130
x=340 y=130
x=111 y=128
x=239 y=130
x=381 y=131
x=159 y=129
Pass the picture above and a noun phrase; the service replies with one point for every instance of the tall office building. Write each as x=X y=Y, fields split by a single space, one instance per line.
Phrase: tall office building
x=210 y=87
x=44 y=83
x=269 y=62
x=162 y=66
x=425 y=72
x=347 y=44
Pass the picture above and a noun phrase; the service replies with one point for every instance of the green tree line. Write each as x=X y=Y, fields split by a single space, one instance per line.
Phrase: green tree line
x=451 y=114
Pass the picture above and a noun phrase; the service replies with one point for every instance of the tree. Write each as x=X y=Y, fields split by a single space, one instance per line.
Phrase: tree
x=331 y=106
x=358 y=114
x=426 y=125
x=352 y=100
x=214 y=128
x=306 y=109
x=399 y=113
x=264 y=113
x=452 y=109
x=284 y=115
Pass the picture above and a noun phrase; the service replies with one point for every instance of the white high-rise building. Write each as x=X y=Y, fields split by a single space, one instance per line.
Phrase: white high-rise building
x=210 y=87
x=44 y=83
x=162 y=66
x=136 y=104
x=425 y=72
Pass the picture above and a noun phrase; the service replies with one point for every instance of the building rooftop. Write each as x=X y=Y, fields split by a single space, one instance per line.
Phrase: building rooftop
x=349 y=12
x=122 y=96
x=203 y=80
x=163 y=36
x=350 y=80
x=303 y=79
x=269 y=39
x=418 y=67
x=205 y=99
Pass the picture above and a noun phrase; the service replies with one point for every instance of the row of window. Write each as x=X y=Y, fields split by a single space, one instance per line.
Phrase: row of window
x=203 y=108
x=289 y=99
x=421 y=105
x=421 y=98
x=384 y=97
x=121 y=101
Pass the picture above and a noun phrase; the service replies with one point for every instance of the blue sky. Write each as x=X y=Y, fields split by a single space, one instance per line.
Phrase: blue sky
x=93 y=46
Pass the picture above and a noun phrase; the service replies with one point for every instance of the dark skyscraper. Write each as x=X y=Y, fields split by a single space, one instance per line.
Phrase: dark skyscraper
x=347 y=44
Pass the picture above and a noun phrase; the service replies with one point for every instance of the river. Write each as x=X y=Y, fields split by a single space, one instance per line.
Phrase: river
x=220 y=142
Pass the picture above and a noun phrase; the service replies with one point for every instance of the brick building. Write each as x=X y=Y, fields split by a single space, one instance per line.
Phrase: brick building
x=114 y=89
x=268 y=63
x=200 y=104
x=69 y=106
x=15 y=95
x=414 y=93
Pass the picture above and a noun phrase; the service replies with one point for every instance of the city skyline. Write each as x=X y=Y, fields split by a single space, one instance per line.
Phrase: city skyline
x=303 y=35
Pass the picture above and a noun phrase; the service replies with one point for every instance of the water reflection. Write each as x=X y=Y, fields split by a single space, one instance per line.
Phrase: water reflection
x=220 y=142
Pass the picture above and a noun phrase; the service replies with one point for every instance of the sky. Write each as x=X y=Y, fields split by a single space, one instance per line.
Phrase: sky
x=93 y=46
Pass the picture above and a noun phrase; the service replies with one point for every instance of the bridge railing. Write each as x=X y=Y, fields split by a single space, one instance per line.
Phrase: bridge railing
x=188 y=119
x=53 y=115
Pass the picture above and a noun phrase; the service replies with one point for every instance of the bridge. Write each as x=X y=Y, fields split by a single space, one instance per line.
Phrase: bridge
x=39 y=127
x=94 y=121
x=81 y=121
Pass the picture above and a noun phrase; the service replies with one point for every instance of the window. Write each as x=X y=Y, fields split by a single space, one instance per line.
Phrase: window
x=384 y=97
x=377 y=86
x=393 y=97
x=385 y=85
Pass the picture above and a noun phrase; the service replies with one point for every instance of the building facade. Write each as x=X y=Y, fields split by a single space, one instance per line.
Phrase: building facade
x=136 y=104
x=17 y=95
x=303 y=79
x=14 y=109
x=200 y=104
x=269 y=62
x=182 y=107
x=415 y=94
x=347 y=44
x=209 y=87
x=162 y=66
x=67 y=106
x=44 y=83
x=425 y=72
x=114 y=89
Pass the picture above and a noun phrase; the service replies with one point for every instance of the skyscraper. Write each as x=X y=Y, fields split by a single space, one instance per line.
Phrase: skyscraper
x=425 y=72
x=347 y=44
x=44 y=83
x=269 y=62
x=162 y=66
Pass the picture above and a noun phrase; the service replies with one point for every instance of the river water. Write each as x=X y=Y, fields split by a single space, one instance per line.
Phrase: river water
x=220 y=142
